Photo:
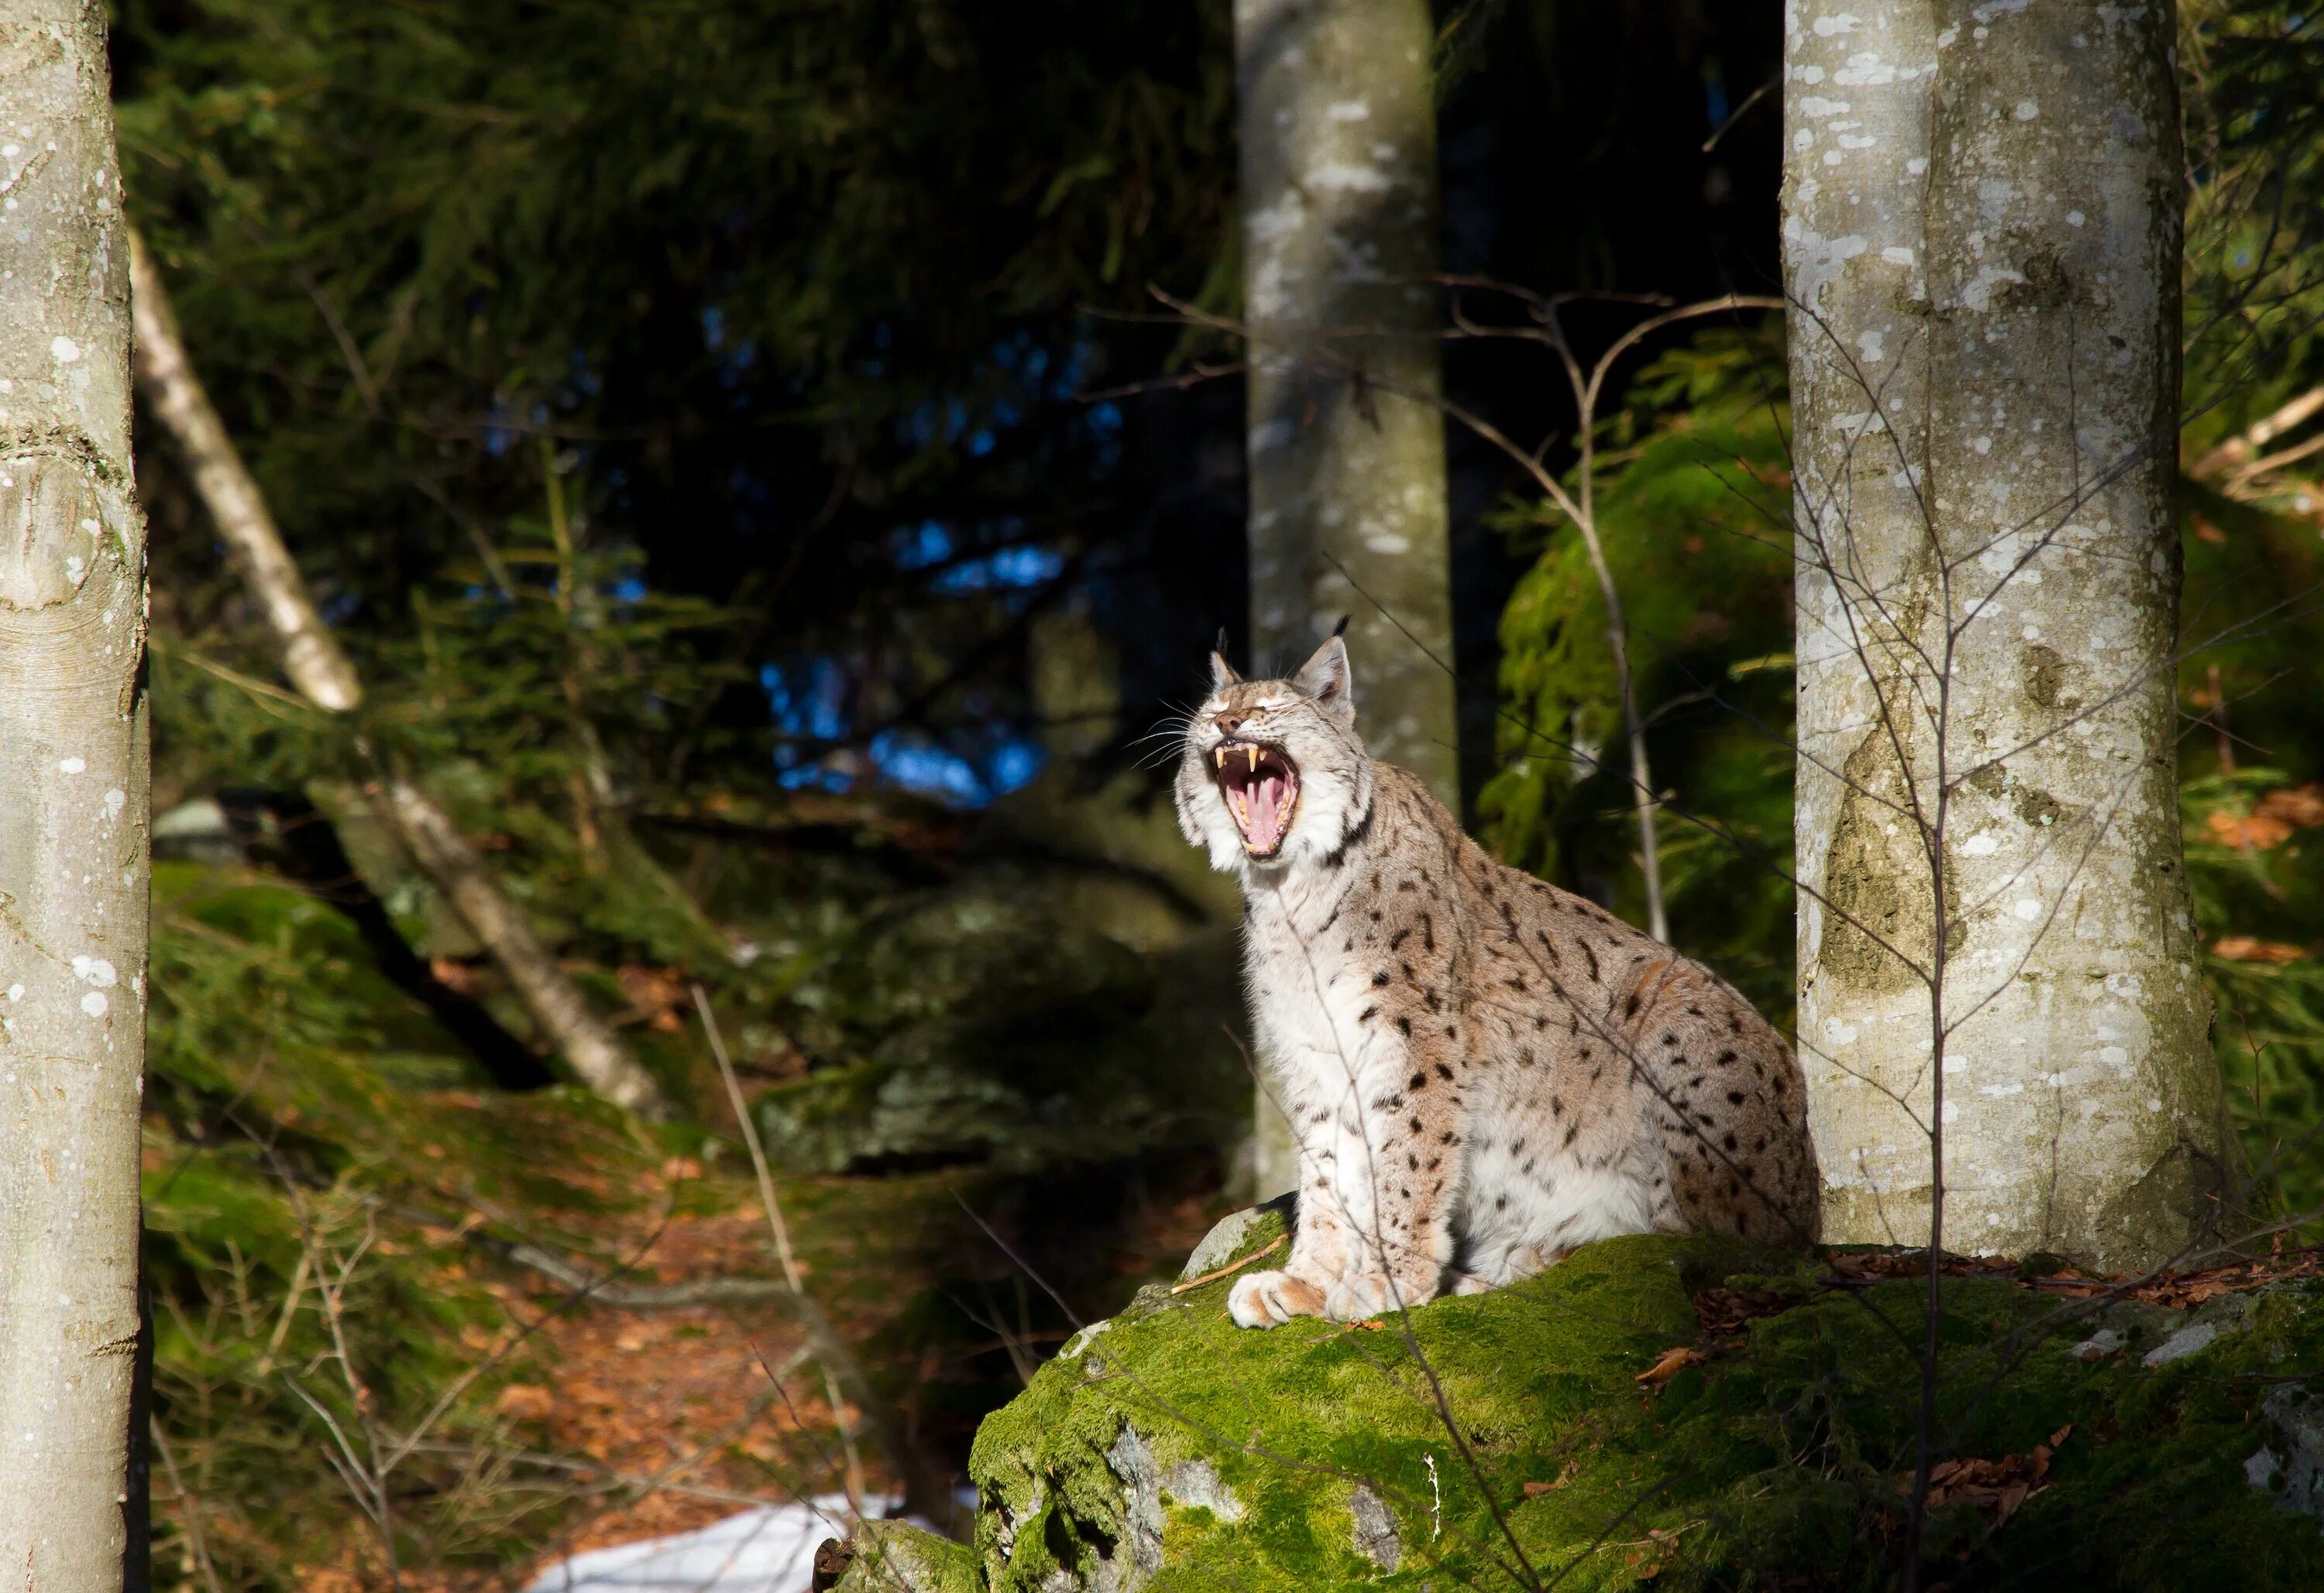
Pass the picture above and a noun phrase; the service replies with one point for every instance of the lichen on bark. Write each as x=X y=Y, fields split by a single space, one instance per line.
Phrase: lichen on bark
x=1981 y=247
x=1345 y=438
x=73 y=811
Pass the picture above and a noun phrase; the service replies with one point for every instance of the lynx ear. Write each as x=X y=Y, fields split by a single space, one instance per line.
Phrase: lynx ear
x=1222 y=675
x=1326 y=678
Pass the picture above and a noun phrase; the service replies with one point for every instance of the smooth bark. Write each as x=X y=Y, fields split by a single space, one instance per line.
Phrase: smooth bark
x=1346 y=441
x=2000 y=1004
x=314 y=663
x=73 y=811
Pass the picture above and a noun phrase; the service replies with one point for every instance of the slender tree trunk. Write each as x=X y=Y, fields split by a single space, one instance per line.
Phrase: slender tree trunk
x=1996 y=943
x=1346 y=443
x=319 y=668
x=73 y=814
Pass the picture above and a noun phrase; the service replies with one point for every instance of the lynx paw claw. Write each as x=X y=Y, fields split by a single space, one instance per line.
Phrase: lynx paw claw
x=1268 y=1299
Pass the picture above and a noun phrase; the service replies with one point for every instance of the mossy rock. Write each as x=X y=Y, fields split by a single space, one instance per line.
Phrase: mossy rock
x=897 y=1557
x=1507 y=1440
x=1030 y=1048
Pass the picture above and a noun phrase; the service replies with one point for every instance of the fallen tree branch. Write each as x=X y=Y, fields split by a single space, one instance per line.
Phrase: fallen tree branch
x=600 y=1289
x=320 y=669
x=311 y=656
x=587 y=1042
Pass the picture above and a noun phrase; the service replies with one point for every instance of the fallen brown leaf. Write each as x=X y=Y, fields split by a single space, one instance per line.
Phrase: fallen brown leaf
x=525 y=1402
x=456 y=975
x=1535 y=1490
x=1724 y=1310
x=1996 y=1488
x=2294 y=805
x=2252 y=832
x=1668 y=1365
x=2272 y=820
x=2245 y=948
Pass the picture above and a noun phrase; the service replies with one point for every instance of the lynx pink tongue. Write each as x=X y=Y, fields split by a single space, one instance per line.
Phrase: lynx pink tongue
x=1265 y=829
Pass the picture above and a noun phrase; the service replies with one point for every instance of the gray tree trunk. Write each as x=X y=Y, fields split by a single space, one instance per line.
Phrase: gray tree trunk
x=1997 y=953
x=73 y=814
x=1346 y=443
x=314 y=662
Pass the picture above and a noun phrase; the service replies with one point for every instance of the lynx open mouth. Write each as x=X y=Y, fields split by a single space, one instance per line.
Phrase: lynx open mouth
x=1261 y=786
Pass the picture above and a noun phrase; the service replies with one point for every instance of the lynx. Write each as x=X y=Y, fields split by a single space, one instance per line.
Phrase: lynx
x=1483 y=1070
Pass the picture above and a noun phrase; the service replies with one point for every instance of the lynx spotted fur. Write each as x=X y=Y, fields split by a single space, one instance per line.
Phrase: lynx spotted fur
x=1475 y=1063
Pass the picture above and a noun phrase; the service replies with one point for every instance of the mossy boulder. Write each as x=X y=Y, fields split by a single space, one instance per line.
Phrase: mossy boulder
x=896 y=1557
x=1008 y=1039
x=1545 y=1433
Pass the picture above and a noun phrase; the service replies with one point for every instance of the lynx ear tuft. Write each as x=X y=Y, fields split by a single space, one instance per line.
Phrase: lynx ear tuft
x=1326 y=677
x=1222 y=675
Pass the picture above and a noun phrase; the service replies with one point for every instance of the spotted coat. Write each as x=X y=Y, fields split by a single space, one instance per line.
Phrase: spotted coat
x=1482 y=1072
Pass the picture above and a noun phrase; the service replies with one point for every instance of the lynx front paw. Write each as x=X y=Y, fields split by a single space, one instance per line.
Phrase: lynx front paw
x=1364 y=1295
x=1267 y=1299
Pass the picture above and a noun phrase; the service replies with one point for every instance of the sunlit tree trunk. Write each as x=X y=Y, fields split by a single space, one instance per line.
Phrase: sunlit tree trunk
x=1997 y=952
x=72 y=812
x=1346 y=444
x=314 y=663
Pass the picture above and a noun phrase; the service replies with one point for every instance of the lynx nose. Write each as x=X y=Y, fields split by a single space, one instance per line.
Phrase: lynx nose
x=1229 y=721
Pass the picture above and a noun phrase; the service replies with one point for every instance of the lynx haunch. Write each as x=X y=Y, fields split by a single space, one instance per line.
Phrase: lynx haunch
x=1483 y=1070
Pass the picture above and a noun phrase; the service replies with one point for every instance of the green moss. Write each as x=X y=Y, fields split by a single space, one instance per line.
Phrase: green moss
x=1022 y=1045
x=1171 y=1448
x=895 y=1557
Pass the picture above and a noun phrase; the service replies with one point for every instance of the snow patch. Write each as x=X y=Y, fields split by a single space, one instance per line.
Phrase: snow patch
x=769 y=1550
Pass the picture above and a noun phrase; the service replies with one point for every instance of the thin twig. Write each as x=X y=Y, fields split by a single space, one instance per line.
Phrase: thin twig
x=827 y=1352
x=189 y=1504
x=1277 y=1243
